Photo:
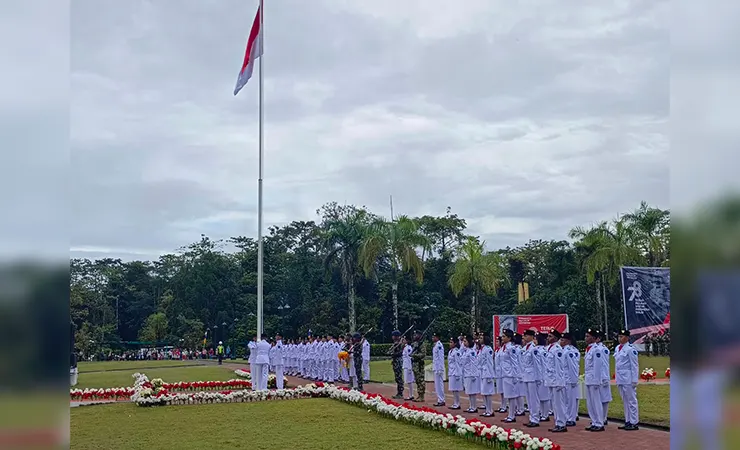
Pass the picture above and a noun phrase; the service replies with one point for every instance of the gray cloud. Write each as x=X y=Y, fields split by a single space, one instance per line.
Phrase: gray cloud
x=526 y=119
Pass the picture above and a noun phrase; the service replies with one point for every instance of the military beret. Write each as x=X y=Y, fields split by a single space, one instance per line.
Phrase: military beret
x=417 y=332
x=624 y=333
x=356 y=336
x=396 y=333
x=567 y=336
x=593 y=332
x=529 y=333
x=435 y=335
x=555 y=333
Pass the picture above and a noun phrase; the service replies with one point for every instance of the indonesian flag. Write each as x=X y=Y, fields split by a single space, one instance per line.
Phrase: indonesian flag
x=254 y=51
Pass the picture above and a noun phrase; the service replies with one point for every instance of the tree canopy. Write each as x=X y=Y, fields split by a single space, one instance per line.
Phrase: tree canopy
x=352 y=269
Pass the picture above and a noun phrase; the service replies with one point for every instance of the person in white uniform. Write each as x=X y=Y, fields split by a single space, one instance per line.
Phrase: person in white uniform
x=627 y=373
x=606 y=388
x=571 y=379
x=560 y=369
x=510 y=373
x=454 y=373
x=487 y=376
x=594 y=378
x=408 y=369
x=471 y=374
x=252 y=346
x=521 y=387
x=543 y=391
x=529 y=361
x=365 y=360
x=499 y=376
x=438 y=367
x=261 y=363
x=278 y=360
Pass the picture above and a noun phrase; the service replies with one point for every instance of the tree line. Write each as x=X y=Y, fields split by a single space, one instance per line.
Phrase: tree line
x=352 y=269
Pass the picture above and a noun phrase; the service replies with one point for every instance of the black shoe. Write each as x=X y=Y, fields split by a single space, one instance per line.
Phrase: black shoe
x=626 y=425
x=577 y=418
x=398 y=396
x=508 y=420
x=606 y=422
x=482 y=407
x=487 y=415
x=558 y=430
x=596 y=429
x=454 y=407
x=409 y=399
x=550 y=413
x=632 y=428
x=570 y=424
x=545 y=419
x=531 y=425
x=501 y=410
x=589 y=428
x=519 y=414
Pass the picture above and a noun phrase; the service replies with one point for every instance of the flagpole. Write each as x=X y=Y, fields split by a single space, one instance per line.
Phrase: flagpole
x=260 y=246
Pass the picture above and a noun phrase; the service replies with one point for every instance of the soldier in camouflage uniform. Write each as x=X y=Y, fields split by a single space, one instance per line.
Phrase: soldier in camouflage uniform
x=357 y=358
x=418 y=356
x=396 y=352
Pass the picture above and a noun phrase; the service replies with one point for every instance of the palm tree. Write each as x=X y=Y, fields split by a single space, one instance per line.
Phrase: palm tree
x=609 y=246
x=652 y=232
x=482 y=272
x=396 y=242
x=343 y=236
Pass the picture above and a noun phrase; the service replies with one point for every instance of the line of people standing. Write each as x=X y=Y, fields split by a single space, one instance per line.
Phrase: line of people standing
x=316 y=358
x=531 y=374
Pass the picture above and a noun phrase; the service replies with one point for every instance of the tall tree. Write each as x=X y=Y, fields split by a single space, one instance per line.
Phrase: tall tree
x=477 y=271
x=345 y=229
x=395 y=242
x=651 y=228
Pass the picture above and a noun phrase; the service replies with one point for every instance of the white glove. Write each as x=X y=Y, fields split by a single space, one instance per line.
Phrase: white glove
x=605 y=383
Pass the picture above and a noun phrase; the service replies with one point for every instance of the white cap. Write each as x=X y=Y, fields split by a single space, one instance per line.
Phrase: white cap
x=219 y=342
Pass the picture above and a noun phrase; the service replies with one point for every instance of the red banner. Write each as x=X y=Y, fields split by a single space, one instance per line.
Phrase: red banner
x=543 y=323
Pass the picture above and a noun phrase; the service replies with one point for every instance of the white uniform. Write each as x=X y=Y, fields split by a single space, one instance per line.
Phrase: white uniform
x=471 y=372
x=487 y=376
x=365 y=360
x=543 y=391
x=571 y=382
x=438 y=367
x=408 y=372
x=252 y=345
x=510 y=375
x=560 y=369
x=261 y=362
x=455 y=374
x=530 y=379
x=627 y=372
x=596 y=379
x=278 y=363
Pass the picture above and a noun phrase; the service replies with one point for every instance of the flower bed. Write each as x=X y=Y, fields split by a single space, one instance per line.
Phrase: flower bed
x=147 y=394
x=125 y=393
x=271 y=378
x=648 y=374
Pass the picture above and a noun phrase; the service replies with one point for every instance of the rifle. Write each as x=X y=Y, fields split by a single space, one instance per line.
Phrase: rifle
x=393 y=347
x=351 y=348
x=421 y=339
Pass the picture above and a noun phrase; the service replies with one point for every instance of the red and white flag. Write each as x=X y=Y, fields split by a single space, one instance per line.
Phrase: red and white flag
x=254 y=51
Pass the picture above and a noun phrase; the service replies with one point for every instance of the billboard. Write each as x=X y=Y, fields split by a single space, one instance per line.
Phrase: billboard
x=519 y=323
x=646 y=295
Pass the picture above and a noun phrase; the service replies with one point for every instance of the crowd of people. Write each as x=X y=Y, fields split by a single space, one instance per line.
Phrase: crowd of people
x=533 y=374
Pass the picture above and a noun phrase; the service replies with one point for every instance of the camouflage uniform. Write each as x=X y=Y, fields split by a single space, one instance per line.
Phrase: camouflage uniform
x=417 y=359
x=357 y=359
x=397 y=354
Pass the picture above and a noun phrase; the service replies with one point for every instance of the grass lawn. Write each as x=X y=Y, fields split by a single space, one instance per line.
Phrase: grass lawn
x=123 y=378
x=96 y=366
x=296 y=424
x=654 y=403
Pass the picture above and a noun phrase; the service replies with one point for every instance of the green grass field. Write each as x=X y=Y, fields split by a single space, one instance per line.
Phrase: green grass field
x=653 y=400
x=123 y=378
x=97 y=366
x=313 y=424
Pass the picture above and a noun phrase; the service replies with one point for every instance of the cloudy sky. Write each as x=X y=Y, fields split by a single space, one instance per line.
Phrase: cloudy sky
x=527 y=117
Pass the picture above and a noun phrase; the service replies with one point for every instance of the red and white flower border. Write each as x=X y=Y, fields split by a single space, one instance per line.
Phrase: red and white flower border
x=147 y=394
x=125 y=393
